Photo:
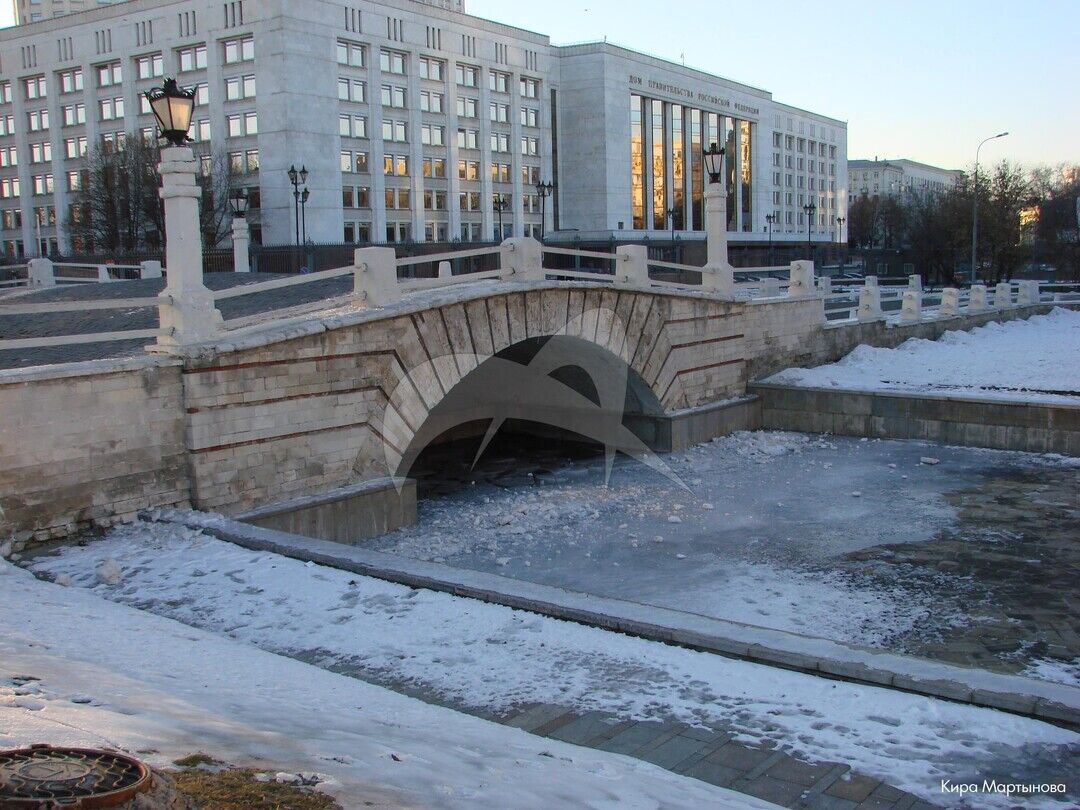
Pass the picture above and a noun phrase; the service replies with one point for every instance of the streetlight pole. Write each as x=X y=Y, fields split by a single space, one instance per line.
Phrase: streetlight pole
x=840 y=238
x=809 y=208
x=303 y=212
x=501 y=204
x=975 y=204
x=544 y=190
x=297 y=178
x=769 y=219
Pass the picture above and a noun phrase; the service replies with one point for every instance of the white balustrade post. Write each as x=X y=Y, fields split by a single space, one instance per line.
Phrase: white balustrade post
x=632 y=266
x=717 y=275
x=150 y=269
x=870 y=281
x=186 y=309
x=1003 y=295
x=911 y=307
x=824 y=285
x=770 y=287
x=914 y=282
x=40 y=273
x=444 y=270
x=1028 y=294
x=977 y=299
x=103 y=273
x=241 y=245
x=869 y=302
x=375 y=276
x=801 y=281
x=950 y=303
x=522 y=258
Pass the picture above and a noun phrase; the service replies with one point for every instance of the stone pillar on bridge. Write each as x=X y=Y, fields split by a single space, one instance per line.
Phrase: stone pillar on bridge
x=869 y=302
x=41 y=273
x=717 y=275
x=1003 y=295
x=150 y=269
x=521 y=259
x=241 y=245
x=801 y=280
x=977 y=299
x=911 y=307
x=375 y=276
x=1028 y=294
x=632 y=266
x=950 y=303
x=186 y=311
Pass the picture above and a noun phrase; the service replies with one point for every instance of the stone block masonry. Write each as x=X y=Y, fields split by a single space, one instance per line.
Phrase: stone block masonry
x=89 y=444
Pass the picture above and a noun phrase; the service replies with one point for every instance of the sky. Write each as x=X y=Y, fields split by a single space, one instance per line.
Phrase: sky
x=921 y=79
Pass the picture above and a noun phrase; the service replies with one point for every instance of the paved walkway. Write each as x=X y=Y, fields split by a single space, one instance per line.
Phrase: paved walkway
x=711 y=755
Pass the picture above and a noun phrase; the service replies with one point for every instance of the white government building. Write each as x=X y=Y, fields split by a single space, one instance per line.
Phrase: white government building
x=412 y=119
x=898 y=178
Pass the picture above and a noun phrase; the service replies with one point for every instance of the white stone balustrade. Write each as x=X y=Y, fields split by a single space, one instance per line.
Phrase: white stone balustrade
x=911 y=306
x=241 y=241
x=375 y=277
x=41 y=273
x=632 y=266
x=801 y=283
x=521 y=258
x=914 y=282
x=977 y=300
x=950 y=303
x=869 y=302
x=1003 y=295
x=150 y=269
x=824 y=285
x=1028 y=294
x=444 y=270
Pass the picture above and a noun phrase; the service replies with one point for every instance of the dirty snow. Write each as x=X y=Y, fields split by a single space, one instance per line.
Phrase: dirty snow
x=491 y=658
x=1035 y=360
x=78 y=670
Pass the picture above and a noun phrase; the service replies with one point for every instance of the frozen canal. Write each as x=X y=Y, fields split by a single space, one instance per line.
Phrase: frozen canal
x=883 y=543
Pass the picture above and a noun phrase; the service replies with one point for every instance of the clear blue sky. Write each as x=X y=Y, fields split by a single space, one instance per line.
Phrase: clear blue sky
x=924 y=79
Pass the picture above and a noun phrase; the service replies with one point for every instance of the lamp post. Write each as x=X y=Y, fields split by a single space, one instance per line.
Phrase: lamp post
x=840 y=239
x=303 y=213
x=717 y=274
x=810 y=209
x=501 y=203
x=297 y=178
x=975 y=204
x=544 y=190
x=240 y=238
x=769 y=219
x=187 y=312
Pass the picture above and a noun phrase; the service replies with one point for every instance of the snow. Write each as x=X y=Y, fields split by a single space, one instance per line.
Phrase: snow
x=491 y=658
x=79 y=670
x=1033 y=360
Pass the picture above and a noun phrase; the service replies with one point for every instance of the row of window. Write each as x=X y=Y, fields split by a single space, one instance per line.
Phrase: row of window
x=790 y=142
x=434 y=231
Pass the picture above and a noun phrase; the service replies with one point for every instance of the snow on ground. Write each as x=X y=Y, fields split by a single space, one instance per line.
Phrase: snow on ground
x=755 y=540
x=1037 y=360
x=488 y=657
x=108 y=675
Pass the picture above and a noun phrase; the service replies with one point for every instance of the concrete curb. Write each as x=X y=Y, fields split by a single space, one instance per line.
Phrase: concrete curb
x=1054 y=703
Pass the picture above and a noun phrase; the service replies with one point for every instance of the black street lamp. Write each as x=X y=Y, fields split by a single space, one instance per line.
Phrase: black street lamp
x=840 y=229
x=544 y=190
x=298 y=178
x=714 y=162
x=303 y=212
x=770 y=218
x=239 y=202
x=172 y=106
x=810 y=209
x=501 y=203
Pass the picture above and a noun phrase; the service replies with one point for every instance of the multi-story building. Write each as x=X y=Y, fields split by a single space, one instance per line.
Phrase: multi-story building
x=897 y=178
x=413 y=120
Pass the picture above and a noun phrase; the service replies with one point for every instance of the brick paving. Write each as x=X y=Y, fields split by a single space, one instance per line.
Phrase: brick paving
x=711 y=755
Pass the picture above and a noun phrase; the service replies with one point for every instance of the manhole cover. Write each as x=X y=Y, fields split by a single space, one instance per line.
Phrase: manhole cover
x=43 y=777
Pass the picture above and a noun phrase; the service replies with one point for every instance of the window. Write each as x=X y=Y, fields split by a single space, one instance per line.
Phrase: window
x=530 y=175
x=393 y=96
x=435 y=200
x=38 y=120
x=73 y=114
x=41 y=152
x=467 y=75
x=431 y=102
x=500 y=142
x=9 y=187
x=395 y=130
x=75 y=147
x=500 y=172
x=530 y=145
x=9 y=156
x=431 y=69
x=35 y=87
x=5 y=92
x=148 y=67
x=434 y=167
x=7 y=124
x=469 y=200
x=353 y=161
x=397 y=198
x=432 y=135
x=530 y=117
x=239 y=50
x=352 y=126
x=392 y=62
x=469 y=169
x=241 y=124
x=351 y=54
x=202 y=130
x=42 y=183
x=498 y=82
x=239 y=87
x=468 y=139
x=352 y=90
x=193 y=58
x=500 y=113
x=244 y=162
x=530 y=88
x=395 y=165
x=466 y=107
x=71 y=81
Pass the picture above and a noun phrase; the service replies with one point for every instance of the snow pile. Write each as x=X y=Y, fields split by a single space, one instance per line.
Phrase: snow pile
x=1037 y=360
x=491 y=658
x=78 y=670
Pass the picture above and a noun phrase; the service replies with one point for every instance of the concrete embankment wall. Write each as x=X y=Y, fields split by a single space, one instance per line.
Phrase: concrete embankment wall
x=89 y=444
x=967 y=421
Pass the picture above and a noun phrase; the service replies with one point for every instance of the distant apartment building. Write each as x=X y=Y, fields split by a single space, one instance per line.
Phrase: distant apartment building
x=897 y=178
x=28 y=11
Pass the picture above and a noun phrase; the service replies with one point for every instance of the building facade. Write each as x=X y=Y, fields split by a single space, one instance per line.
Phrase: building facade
x=414 y=120
x=898 y=178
